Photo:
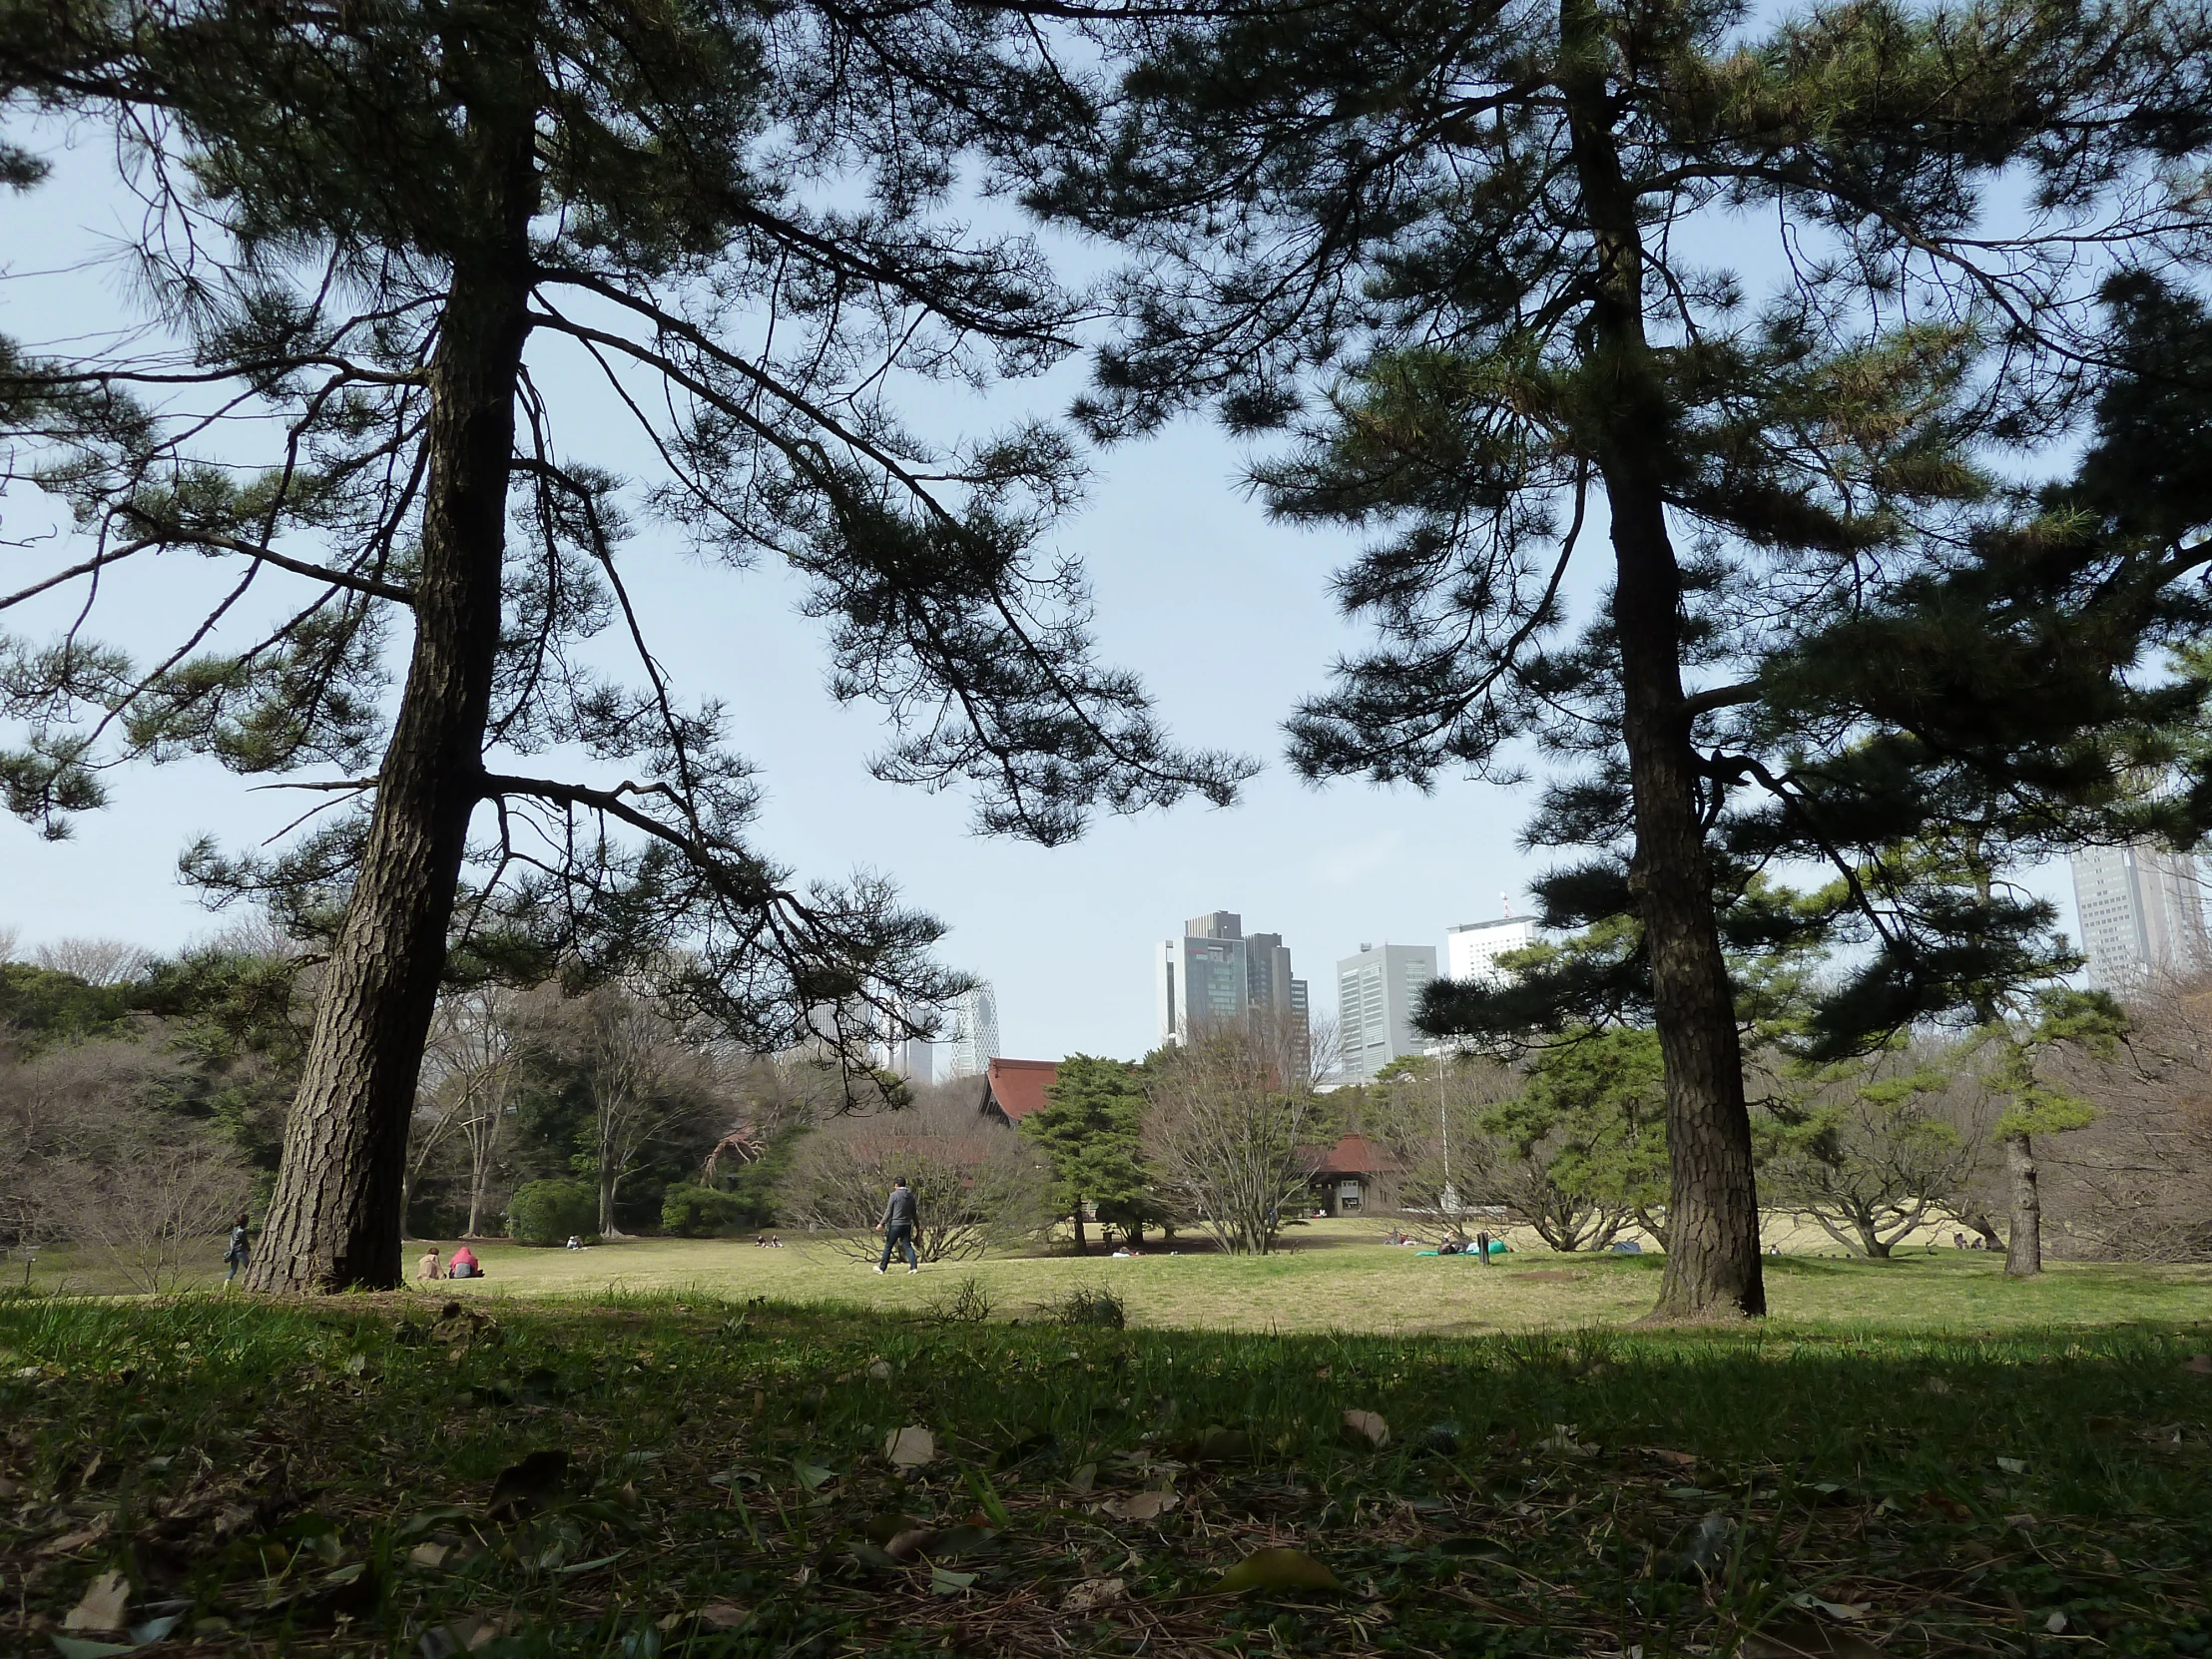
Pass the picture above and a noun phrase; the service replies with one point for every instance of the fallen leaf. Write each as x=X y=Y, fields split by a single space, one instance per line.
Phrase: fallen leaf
x=721 y=1615
x=1680 y=1460
x=881 y=1529
x=69 y=1541
x=104 y=1605
x=909 y=1447
x=1278 y=1569
x=1366 y=1427
x=944 y=1583
x=1094 y=1593
x=1142 y=1506
x=813 y=1476
x=880 y=1369
x=2200 y=1363
x=2012 y=1465
x=1083 y=1479
x=1807 y=1639
x=79 y=1647
x=1848 y=1611
x=429 y=1555
x=1947 y=1505
x=2056 y=1623
x=1936 y=1386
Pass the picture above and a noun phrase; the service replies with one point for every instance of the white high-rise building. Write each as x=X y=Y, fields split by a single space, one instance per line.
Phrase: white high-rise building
x=1378 y=994
x=973 y=1042
x=2142 y=914
x=1471 y=951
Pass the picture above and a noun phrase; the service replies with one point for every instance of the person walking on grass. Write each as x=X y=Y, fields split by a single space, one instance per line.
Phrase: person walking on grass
x=235 y=1257
x=897 y=1226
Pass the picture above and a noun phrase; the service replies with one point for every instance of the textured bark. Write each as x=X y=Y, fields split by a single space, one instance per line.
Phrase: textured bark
x=1713 y=1263
x=2024 y=1257
x=334 y=1218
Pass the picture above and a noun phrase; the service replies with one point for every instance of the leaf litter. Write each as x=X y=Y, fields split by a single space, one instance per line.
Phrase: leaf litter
x=658 y=1511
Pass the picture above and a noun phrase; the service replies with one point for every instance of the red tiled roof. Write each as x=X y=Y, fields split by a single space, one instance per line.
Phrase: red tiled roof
x=1353 y=1155
x=1017 y=1087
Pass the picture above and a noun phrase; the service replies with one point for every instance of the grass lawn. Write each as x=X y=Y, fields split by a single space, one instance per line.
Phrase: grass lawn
x=1334 y=1276
x=664 y=1473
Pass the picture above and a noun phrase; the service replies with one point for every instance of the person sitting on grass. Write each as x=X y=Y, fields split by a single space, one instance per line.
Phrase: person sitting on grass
x=464 y=1265
x=574 y=1243
x=430 y=1267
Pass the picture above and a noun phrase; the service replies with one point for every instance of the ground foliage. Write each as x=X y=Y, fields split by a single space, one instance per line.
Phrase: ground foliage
x=683 y=1476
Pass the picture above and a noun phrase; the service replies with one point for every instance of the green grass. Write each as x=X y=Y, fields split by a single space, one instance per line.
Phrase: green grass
x=292 y=1478
x=1336 y=1276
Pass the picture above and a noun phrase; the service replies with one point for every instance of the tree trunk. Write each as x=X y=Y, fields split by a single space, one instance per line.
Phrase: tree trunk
x=1712 y=1201
x=334 y=1220
x=1082 y=1244
x=2024 y=1257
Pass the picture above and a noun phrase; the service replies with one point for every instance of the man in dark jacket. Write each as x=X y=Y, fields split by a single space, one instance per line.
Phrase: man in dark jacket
x=897 y=1226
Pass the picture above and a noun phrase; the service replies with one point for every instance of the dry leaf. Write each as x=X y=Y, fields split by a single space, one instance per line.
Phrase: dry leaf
x=721 y=1615
x=430 y=1554
x=69 y=1541
x=2056 y=1623
x=1083 y=1479
x=1094 y=1593
x=909 y=1447
x=104 y=1605
x=880 y=1369
x=1367 y=1428
x=1142 y=1506
x=1278 y=1569
x=2201 y=1364
x=1848 y=1611
x=1680 y=1460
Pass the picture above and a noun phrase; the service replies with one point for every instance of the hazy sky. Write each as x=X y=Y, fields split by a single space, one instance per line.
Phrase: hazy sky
x=1227 y=617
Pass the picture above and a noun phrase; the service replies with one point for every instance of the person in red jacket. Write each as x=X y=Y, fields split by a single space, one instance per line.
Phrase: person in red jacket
x=464 y=1265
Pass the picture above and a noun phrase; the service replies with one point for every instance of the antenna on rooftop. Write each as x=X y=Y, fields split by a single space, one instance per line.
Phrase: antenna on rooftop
x=1507 y=899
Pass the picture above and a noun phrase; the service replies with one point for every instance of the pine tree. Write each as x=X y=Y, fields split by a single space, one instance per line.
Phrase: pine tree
x=1090 y=1127
x=383 y=241
x=1500 y=227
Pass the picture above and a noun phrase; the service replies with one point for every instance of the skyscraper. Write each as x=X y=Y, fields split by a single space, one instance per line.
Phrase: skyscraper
x=974 y=1044
x=1471 y=951
x=1378 y=994
x=2142 y=914
x=1213 y=975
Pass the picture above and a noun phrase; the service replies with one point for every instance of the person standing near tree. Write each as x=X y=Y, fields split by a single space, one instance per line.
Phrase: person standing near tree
x=897 y=1226
x=234 y=1256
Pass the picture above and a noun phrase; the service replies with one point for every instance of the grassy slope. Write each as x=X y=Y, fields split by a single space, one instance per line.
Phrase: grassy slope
x=313 y=1478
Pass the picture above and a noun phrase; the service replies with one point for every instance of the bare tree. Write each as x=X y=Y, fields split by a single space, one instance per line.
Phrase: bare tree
x=1429 y=1117
x=88 y=1153
x=96 y=962
x=1227 y=1135
x=1872 y=1150
x=9 y=934
x=645 y=1081
x=976 y=1183
x=471 y=1069
x=2136 y=1183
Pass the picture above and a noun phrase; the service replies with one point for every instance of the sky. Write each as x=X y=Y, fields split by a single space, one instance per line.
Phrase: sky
x=1226 y=616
